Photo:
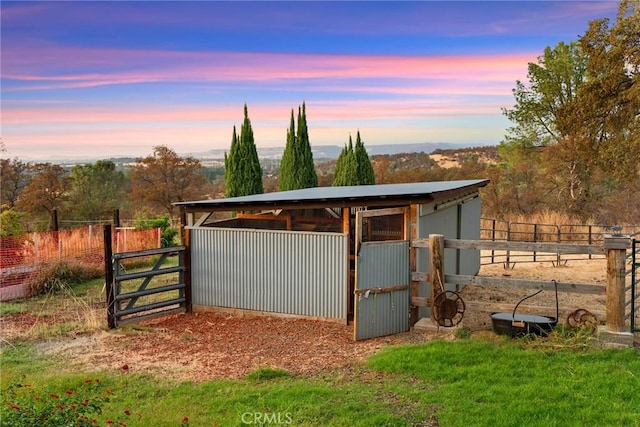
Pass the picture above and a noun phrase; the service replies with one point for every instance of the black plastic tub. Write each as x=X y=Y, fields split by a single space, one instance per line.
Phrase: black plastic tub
x=518 y=325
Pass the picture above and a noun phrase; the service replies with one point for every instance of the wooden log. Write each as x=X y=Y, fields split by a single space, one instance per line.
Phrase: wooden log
x=616 y=250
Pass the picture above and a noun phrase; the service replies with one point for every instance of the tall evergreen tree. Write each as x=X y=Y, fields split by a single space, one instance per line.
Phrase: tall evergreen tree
x=243 y=173
x=365 y=173
x=287 y=175
x=353 y=166
x=296 y=168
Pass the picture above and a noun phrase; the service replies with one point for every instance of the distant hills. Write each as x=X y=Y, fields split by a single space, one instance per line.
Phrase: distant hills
x=333 y=151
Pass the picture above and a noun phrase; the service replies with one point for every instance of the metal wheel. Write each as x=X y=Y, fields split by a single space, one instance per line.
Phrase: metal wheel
x=448 y=308
x=582 y=318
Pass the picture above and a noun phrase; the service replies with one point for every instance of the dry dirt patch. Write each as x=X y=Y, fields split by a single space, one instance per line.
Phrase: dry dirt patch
x=203 y=346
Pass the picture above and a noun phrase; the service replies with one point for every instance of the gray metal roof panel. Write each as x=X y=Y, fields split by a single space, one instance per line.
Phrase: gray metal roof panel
x=344 y=193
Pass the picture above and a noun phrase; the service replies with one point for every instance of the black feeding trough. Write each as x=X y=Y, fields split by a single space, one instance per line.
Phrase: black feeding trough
x=517 y=325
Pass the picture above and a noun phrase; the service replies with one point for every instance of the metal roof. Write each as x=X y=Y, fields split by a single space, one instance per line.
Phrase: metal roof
x=360 y=195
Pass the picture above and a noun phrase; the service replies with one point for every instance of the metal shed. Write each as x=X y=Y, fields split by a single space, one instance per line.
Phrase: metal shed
x=332 y=253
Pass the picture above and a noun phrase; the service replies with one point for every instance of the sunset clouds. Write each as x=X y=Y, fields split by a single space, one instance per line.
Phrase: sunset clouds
x=115 y=79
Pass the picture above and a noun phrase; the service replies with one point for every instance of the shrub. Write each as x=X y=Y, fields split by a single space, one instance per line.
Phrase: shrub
x=22 y=406
x=56 y=277
x=167 y=234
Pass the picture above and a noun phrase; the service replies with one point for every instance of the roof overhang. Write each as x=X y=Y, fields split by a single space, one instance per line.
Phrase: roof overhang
x=352 y=196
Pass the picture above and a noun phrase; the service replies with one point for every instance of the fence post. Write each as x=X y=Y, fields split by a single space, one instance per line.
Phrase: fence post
x=615 y=247
x=108 y=277
x=436 y=267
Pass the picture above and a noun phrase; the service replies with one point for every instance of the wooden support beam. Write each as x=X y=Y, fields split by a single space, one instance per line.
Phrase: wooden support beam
x=616 y=250
x=436 y=266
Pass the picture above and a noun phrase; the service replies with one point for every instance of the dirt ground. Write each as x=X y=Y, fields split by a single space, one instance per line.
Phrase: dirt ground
x=203 y=346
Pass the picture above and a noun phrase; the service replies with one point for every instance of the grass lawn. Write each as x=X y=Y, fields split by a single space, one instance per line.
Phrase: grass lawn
x=469 y=382
x=476 y=381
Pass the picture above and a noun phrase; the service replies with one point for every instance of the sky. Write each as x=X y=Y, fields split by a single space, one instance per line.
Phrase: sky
x=98 y=80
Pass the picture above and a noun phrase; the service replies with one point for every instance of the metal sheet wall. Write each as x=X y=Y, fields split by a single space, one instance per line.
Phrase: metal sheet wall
x=382 y=264
x=275 y=271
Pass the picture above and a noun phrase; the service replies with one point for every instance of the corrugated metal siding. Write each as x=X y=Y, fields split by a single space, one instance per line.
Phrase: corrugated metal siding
x=382 y=264
x=470 y=230
x=276 y=271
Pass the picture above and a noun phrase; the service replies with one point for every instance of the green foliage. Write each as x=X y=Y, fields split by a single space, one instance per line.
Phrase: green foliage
x=576 y=133
x=24 y=406
x=297 y=169
x=97 y=190
x=243 y=173
x=167 y=234
x=353 y=166
x=10 y=223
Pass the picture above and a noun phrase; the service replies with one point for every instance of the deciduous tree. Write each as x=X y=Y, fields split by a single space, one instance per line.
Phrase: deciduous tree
x=14 y=176
x=163 y=178
x=48 y=190
x=97 y=190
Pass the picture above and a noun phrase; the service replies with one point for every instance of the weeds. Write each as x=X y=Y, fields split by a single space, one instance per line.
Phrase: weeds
x=59 y=277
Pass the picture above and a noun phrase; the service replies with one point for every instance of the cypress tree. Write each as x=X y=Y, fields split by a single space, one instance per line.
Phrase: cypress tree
x=231 y=176
x=286 y=177
x=296 y=167
x=308 y=176
x=243 y=173
x=353 y=166
x=346 y=167
x=252 y=173
x=366 y=175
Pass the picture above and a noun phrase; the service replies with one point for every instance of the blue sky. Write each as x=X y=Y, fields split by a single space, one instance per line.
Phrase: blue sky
x=111 y=79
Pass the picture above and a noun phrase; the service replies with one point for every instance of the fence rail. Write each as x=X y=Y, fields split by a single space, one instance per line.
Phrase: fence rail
x=614 y=247
x=573 y=234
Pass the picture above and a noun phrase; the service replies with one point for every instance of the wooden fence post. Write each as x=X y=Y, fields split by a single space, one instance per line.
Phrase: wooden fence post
x=108 y=277
x=436 y=266
x=615 y=247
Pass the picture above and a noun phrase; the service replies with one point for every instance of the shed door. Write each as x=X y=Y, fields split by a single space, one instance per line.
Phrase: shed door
x=383 y=276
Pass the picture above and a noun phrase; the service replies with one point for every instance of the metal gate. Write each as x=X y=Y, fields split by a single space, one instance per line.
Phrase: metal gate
x=134 y=295
x=635 y=285
x=383 y=276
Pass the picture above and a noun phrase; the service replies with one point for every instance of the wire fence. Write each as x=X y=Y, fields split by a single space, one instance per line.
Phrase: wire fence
x=23 y=257
x=512 y=231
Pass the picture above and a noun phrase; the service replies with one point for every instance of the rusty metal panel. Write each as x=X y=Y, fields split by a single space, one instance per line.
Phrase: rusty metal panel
x=275 y=271
x=383 y=269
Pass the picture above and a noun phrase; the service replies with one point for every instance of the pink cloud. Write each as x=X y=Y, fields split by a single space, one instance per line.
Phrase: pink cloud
x=56 y=67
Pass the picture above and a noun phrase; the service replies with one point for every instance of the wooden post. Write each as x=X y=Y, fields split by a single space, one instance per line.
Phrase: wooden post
x=186 y=259
x=346 y=229
x=54 y=220
x=414 y=313
x=436 y=266
x=116 y=218
x=108 y=277
x=616 y=249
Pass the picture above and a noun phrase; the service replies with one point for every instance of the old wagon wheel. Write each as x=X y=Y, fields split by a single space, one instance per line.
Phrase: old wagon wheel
x=582 y=318
x=448 y=308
